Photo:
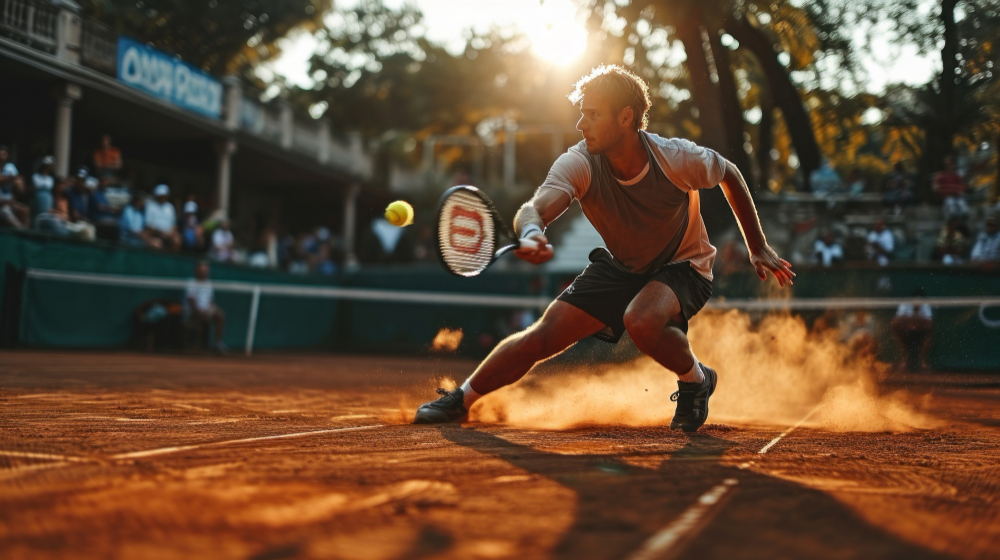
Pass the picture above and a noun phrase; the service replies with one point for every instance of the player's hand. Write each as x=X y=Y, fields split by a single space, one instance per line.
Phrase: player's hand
x=765 y=259
x=535 y=249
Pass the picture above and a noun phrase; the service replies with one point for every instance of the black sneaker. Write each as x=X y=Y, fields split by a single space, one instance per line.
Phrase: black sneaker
x=449 y=408
x=692 y=401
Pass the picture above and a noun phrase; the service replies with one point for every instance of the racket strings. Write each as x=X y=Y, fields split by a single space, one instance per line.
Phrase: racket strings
x=466 y=233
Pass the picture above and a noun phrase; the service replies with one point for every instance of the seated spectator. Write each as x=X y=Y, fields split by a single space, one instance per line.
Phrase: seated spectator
x=200 y=310
x=192 y=235
x=324 y=264
x=951 y=244
x=855 y=182
x=898 y=188
x=912 y=328
x=101 y=213
x=79 y=196
x=107 y=158
x=62 y=219
x=161 y=218
x=132 y=225
x=987 y=247
x=42 y=184
x=12 y=213
x=825 y=180
x=950 y=187
x=223 y=243
x=880 y=244
x=826 y=250
x=858 y=332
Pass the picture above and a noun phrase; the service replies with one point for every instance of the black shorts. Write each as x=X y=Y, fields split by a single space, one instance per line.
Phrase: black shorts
x=604 y=290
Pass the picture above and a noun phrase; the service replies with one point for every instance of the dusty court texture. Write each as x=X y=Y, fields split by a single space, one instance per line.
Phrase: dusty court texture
x=138 y=456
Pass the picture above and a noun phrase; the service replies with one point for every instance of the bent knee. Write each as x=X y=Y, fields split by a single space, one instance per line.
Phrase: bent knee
x=644 y=328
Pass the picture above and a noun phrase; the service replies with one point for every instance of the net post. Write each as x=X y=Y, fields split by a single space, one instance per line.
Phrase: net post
x=252 y=324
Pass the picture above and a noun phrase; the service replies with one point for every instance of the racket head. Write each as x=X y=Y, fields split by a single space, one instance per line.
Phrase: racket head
x=467 y=225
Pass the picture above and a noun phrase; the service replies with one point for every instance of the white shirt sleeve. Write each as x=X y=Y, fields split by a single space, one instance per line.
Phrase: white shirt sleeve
x=570 y=174
x=688 y=165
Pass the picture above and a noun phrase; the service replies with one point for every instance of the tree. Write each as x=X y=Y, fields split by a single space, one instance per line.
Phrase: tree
x=219 y=36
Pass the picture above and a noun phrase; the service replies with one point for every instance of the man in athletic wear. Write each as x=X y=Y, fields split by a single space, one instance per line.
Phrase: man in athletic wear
x=640 y=191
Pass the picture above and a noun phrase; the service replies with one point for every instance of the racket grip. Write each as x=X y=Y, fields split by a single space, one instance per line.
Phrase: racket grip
x=529 y=244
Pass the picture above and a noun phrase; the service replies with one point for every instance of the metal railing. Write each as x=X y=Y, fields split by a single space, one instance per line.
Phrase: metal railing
x=100 y=47
x=29 y=22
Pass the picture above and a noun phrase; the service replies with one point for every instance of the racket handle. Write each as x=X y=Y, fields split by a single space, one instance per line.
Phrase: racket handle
x=525 y=243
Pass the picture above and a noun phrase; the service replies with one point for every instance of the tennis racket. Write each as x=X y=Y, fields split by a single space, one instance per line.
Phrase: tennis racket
x=470 y=230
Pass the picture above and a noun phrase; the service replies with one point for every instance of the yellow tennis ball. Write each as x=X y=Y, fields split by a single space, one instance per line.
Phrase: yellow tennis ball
x=399 y=213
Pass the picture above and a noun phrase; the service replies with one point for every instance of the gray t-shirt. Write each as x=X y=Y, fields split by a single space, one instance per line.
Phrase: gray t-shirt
x=655 y=219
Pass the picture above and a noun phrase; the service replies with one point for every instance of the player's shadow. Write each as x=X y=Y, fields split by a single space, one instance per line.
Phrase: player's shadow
x=620 y=506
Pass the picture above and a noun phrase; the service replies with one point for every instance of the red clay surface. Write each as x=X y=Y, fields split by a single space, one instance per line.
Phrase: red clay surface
x=137 y=456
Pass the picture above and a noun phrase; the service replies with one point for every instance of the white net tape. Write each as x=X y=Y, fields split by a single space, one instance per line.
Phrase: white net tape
x=465 y=233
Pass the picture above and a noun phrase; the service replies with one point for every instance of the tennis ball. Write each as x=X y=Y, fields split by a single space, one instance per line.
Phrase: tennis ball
x=399 y=213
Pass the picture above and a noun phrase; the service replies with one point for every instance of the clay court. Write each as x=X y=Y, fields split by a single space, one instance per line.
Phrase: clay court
x=128 y=455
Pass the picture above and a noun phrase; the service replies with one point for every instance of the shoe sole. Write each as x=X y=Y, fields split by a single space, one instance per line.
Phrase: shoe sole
x=686 y=428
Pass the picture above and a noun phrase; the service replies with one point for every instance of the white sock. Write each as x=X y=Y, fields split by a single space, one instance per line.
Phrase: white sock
x=696 y=375
x=470 y=395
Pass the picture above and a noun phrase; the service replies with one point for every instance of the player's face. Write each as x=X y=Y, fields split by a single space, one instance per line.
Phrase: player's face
x=599 y=123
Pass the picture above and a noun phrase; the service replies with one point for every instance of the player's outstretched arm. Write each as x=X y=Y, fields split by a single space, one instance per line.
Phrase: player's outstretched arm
x=531 y=219
x=762 y=256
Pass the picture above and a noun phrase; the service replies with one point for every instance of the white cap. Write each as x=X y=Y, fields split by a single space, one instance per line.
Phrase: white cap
x=48 y=160
x=92 y=183
x=161 y=190
x=190 y=207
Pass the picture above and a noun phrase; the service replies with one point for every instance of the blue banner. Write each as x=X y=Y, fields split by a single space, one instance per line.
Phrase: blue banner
x=167 y=78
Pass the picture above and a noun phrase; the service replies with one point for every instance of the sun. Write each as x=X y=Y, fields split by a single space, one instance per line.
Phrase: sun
x=554 y=31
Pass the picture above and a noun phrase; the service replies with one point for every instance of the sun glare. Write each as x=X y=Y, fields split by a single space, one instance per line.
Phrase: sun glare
x=554 y=31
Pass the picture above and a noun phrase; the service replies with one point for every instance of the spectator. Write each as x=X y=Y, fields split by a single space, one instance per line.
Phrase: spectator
x=324 y=264
x=107 y=158
x=200 y=310
x=192 y=235
x=101 y=213
x=8 y=171
x=42 y=185
x=62 y=219
x=880 y=244
x=950 y=186
x=858 y=332
x=898 y=189
x=12 y=212
x=987 y=247
x=824 y=180
x=223 y=243
x=951 y=243
x=161 y=218
x=79 y=196
x=132 y=226
x=826 y=250
x=855 y=182
x=912 y=328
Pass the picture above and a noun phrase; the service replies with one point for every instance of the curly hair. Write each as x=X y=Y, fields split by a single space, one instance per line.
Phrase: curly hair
x=619 y=85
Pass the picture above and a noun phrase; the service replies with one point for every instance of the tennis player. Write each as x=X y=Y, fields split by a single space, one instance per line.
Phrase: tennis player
x=640 y=191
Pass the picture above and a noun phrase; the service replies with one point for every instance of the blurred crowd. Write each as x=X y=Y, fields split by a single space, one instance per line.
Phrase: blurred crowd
x=880 y=220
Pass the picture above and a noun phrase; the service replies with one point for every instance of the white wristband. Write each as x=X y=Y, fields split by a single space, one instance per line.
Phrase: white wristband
x=530 y=230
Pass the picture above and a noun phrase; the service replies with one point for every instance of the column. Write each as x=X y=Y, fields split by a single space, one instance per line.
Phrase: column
x=350 y=219
x=323 y=141
x=65 y=97
x=225 y=150
x=510 y=155
x=287 y=120
x=233 y=99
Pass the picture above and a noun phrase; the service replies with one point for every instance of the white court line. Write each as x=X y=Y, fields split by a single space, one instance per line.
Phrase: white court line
x=46 y=456
x=662 y=541
x=165 y=450
x=788 y=431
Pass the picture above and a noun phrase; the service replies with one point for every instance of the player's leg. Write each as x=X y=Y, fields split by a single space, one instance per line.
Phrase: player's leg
x=656 y=320
x=561 y=325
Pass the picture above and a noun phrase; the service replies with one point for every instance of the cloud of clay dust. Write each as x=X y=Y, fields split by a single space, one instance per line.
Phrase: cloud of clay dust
x=774 y=372
x=446 y=340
